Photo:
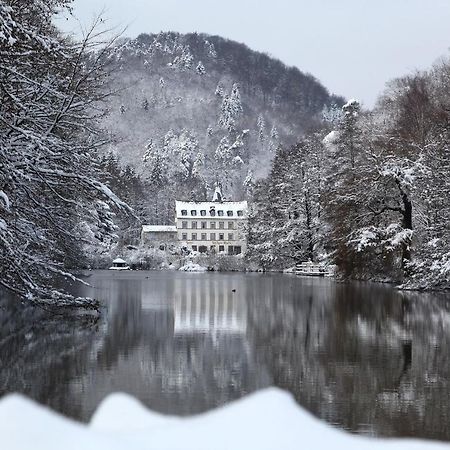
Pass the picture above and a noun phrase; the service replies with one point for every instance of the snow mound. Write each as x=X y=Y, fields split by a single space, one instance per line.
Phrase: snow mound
x=266 y=420
x=192 y=267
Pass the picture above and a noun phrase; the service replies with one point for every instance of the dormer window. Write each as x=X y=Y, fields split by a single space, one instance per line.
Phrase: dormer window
x=193 y=212
x=220 y=212
x=184 y=212
x=203 y=212
x=230 y=213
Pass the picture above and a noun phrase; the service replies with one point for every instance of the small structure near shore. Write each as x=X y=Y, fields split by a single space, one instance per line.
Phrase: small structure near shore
x=159 y=236
x=119 y=264
x=311 y=269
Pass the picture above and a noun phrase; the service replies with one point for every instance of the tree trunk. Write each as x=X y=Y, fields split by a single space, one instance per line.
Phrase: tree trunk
x=407 y=225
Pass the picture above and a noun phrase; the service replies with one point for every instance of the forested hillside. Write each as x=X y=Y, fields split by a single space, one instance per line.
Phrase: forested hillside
x=191 y=110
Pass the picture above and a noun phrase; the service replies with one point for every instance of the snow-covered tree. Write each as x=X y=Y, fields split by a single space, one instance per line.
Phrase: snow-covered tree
x=48 y=142
x=220 y=91
x=200 y=69
x=286 y=225
x=261 y=124
x=231 y=109
x=184 y=61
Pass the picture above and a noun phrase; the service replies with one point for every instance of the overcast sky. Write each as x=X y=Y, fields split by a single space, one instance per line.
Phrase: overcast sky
x=352 y=46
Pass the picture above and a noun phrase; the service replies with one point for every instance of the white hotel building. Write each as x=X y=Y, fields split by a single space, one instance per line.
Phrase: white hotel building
x=205 y=227
x=217 y=226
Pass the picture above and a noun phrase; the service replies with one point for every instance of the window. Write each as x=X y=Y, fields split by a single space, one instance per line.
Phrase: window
x=221 y=225
x=230 y=225
x=184 y=224
x=203 y=212
x=221 y=248
x=212 y=248
x=212 y=236
x=194 y=225
x=221 y=237
x=184 y=212
x=194 y=248
x=194 y=236
x=230 y=237
x=212 y=225
x=203 y=249
x=234 y=250
x=212 y=212
x=204 y=237
x=220 y=213
x=184 y=236
x=230 y=213
x=193 y=212
x=240 y=213
x=204 y=225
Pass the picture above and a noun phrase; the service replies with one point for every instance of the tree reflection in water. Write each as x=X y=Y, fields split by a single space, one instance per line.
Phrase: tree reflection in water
x=363 y=357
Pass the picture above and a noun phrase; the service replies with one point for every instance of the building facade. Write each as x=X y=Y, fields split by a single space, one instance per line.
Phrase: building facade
x=206 y=227
x=213 y=227
x=158 y=235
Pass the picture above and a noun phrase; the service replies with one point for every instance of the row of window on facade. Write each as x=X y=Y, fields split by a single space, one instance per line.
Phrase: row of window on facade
x=204 y=225
x=232 y=249
x=204 y=237
x=212 y=212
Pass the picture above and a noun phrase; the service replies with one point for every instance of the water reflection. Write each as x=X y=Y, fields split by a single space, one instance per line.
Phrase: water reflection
x=363 y=357
x=209 y=305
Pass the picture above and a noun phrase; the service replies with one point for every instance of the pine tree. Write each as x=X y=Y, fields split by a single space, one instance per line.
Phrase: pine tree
x=231 y=109
x=220 y=92
x=200 y=69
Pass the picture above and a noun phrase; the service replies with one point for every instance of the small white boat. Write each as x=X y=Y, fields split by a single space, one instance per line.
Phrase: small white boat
x=119 y=264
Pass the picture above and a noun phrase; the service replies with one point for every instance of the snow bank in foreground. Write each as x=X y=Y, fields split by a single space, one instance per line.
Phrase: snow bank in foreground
x=268 y=420
x=192 y=267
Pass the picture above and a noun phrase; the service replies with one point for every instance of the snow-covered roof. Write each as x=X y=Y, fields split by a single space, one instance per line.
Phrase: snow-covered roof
x=119 y=261
x=159 y=229
x=234 y=207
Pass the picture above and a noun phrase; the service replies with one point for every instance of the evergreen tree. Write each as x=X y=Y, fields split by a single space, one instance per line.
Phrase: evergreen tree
x=200 y=69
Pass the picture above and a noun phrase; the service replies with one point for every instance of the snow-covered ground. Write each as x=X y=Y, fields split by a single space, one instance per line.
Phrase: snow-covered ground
x=192 y=267
x=269 y=419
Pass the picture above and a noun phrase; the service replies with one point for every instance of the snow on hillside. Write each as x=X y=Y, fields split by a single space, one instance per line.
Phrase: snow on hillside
x=210 y=96
x=269 y=419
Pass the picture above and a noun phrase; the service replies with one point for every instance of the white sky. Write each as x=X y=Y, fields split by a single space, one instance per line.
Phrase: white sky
x=352 y=46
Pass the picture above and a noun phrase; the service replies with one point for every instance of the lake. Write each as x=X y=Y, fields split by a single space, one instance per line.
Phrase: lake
x=363 y=357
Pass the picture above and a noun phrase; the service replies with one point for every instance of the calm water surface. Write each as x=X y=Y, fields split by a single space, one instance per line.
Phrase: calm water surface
x=362 y=357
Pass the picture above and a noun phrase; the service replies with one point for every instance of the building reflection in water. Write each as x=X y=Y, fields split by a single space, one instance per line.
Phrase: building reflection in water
x=209 y=305
x=176 y=342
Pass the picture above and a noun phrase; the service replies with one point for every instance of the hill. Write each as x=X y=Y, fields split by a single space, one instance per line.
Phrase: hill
x=192 y=110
